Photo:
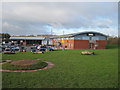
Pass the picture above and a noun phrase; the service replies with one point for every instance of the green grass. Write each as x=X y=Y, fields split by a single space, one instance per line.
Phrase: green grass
x=71 y=70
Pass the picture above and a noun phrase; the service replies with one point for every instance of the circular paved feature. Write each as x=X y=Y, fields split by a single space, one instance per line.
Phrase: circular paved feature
x=24 y=62
x=48 y=66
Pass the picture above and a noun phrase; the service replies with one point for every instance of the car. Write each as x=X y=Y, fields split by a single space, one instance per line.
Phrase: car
x=9 y=51
x=43 y=48
x=33 y=49
x=22 y=49
x=4 y=46
x=17 y=48
x=50 y=49
x=13 y=48
x=38 y=47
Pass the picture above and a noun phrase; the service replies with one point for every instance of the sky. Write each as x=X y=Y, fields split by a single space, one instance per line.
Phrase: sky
x=26 y=18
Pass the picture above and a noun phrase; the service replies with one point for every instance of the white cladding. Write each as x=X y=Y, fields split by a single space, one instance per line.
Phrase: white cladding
x=50 y=42
x=44 y=42
x=64 y=38
x=27 y=38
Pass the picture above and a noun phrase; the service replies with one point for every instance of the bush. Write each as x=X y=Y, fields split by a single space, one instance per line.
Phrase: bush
x=2 y=61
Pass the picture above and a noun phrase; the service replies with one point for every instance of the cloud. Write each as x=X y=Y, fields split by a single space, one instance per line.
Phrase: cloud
x=41 y=17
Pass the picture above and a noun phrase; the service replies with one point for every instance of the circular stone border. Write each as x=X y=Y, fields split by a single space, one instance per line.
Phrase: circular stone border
x=48 y=66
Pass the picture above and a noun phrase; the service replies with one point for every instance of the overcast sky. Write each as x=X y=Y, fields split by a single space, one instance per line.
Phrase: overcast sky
x=40 y=18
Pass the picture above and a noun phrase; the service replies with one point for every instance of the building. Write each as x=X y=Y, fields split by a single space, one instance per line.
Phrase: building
x=26 y=40
x=82 y=40
x=30 y=39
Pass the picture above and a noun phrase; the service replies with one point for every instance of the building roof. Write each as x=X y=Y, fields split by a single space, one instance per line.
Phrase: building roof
x=27 y=38
x=79 y=33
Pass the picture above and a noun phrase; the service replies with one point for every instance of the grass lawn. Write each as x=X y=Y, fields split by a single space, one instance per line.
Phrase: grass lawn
x=71 y=70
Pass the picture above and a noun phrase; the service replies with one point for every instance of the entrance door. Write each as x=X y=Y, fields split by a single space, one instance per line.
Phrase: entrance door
x=90 y=45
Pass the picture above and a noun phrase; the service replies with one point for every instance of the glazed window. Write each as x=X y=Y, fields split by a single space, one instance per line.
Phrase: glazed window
x=90 y=34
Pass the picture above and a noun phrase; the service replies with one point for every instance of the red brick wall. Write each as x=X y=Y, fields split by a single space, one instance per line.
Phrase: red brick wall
x=101 y=44
x=81 y=44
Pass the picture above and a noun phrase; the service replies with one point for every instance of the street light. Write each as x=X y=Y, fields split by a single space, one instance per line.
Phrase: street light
x=63 y=41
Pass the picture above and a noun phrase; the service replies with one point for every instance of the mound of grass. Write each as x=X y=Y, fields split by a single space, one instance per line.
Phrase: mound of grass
x=38 y=65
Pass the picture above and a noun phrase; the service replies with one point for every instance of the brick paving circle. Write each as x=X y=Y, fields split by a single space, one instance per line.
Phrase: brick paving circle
x=48 y=66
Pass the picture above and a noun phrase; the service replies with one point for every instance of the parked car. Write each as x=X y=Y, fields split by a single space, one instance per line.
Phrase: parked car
x=51 y=49
x=33 y=49
x=17 y=48
x=43 y=48
x=4 y=46
x=12 y=48
x=38 y=47
x=9 y=51
x=22 y=49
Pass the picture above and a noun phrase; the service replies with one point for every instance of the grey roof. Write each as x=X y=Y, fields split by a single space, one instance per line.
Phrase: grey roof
x=27 y=38
x=79 y=33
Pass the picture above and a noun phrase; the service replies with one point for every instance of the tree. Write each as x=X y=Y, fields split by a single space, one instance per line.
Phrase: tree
x=5 y=37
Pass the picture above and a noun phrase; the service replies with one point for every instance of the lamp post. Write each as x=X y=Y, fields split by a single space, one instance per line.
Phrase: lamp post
x=63 y=41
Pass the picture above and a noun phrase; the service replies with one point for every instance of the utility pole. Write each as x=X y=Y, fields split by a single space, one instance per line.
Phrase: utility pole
x=63 y=41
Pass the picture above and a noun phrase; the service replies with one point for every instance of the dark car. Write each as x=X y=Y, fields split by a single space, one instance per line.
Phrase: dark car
x=51 y=49
x=43 y=48
x=33 y=49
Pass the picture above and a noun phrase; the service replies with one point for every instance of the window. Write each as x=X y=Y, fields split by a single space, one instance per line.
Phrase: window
x=85 y=38
x=90 y=34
